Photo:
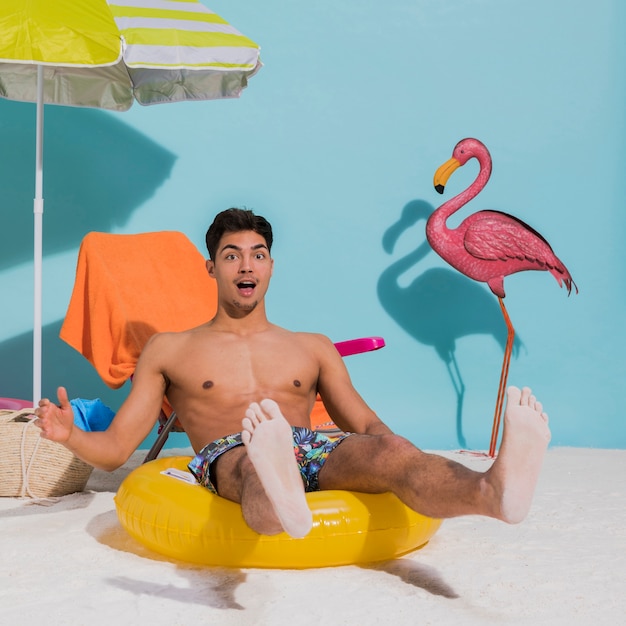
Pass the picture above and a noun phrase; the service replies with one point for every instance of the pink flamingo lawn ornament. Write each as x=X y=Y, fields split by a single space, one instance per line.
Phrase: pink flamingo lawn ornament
x=487 y=246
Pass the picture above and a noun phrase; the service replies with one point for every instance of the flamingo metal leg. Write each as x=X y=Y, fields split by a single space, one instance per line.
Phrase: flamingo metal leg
x=504 y=374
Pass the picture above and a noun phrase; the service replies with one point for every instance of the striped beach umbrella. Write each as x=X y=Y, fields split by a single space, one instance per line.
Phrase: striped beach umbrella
x=107 y=54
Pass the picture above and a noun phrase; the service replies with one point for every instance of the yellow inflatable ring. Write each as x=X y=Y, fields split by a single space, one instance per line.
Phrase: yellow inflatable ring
x=186 y=522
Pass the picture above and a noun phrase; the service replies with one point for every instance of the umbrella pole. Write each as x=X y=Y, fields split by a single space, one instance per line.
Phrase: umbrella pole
x=38 y=243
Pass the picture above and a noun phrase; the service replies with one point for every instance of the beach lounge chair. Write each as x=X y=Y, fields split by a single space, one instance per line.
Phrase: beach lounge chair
x=129 y=287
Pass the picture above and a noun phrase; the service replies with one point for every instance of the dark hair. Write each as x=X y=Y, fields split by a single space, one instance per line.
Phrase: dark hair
x=233 y=221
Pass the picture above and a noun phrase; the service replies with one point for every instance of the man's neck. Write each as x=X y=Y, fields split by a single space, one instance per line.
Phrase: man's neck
x=231 y=319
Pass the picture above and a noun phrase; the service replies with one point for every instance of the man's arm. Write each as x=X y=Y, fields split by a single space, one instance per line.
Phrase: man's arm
x=111 y=448
x=342 y=401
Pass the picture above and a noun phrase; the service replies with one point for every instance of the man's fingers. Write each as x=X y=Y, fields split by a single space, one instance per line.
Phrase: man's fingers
x=64 y=401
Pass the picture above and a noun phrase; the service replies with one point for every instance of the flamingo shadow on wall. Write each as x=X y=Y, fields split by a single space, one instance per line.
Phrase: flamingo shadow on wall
x=440 y=305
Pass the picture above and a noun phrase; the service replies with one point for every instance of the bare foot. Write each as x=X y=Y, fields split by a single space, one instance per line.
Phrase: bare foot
x=515 y=472
x=268 y=439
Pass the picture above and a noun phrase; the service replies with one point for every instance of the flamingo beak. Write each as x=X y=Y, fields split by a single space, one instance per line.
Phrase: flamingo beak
x=444 y=172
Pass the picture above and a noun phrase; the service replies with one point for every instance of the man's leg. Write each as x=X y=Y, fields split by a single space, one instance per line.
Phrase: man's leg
x=430 y=484
x=441 y=488
x=264 y=476
x=269 y=441
x=238 y=481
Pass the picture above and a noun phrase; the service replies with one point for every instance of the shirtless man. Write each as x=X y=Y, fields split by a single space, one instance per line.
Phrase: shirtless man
x=243 y=390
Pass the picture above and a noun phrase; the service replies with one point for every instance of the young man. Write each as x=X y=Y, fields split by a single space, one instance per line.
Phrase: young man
x=243 y=390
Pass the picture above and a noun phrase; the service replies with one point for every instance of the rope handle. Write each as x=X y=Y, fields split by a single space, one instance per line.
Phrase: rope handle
x=27 y=417
x=26 y=470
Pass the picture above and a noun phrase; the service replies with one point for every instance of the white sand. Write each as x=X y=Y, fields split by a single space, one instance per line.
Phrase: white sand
x=71 y=563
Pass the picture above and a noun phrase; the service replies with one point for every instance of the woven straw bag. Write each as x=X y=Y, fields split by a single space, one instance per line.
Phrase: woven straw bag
x=33 y=466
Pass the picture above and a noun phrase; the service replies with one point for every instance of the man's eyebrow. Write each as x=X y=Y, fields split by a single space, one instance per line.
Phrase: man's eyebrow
x=232 y=246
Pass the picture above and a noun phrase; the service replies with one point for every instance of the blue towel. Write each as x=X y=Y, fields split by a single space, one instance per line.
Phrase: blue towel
x=91 y=415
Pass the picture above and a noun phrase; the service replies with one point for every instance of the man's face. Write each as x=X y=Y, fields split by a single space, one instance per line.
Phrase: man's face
x=243 y=268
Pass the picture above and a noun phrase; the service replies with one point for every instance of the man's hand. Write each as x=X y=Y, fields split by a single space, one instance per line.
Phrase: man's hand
x=56 y=422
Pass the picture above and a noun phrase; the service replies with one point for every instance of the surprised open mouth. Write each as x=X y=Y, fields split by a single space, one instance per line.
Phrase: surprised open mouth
x=246 y=287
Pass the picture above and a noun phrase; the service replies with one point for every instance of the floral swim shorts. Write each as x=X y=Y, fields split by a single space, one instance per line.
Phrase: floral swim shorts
x=311 y=449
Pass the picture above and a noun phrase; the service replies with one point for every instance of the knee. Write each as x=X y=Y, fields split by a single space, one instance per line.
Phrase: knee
x=395 y=452
x=397 y=444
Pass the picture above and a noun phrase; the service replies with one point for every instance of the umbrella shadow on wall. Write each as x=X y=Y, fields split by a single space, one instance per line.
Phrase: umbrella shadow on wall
x=440 y=305
x=97 y=171
x=62 y=366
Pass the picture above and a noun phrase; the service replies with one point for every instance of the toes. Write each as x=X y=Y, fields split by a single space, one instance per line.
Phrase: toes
x=270 y=407
x=255 y=414
x=246 y=437
x=247 y=424
x=513 y=395
x=250 y=418
x=525 y=397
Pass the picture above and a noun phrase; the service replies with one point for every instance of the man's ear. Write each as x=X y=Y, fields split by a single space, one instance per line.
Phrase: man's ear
x=210 y=267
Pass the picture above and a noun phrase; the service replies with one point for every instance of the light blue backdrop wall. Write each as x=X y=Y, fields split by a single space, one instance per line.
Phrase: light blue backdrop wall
x=335 y=140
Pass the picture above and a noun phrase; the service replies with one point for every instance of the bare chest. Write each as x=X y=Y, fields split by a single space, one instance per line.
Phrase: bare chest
x=244 y=369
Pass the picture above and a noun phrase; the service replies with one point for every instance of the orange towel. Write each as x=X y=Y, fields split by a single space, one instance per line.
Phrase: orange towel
x=129 y=287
